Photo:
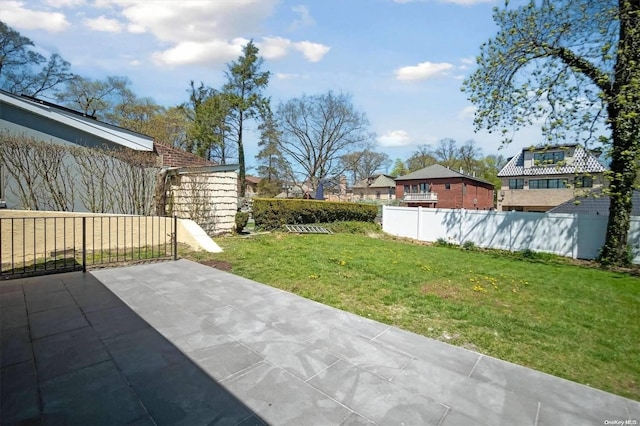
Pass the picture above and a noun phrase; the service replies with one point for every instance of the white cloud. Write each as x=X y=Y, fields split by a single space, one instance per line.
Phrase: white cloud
x=467 y=62
x=64 y=3
x=314 y=52
x=287 y=76
x=274 y=47
x=208 y=31
x=394 y=138
x=15 y=14
x=190 y=52
x=136 y=29
x=467 y=112
x=105 y=24
x=423 y=71
x=304 y=18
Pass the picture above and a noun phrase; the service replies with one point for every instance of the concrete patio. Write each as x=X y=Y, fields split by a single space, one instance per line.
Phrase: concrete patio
x=182 y=343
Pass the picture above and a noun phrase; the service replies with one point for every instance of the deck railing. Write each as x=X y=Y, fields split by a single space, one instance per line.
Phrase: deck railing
x=422 y=196
x=50 y=244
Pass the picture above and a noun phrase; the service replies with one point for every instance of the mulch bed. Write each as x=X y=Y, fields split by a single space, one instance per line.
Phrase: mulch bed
x=218 y=264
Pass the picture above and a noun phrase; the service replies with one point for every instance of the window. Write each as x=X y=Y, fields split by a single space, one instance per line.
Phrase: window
x=516 y=183
x=407 y=189
x=547 y=183
x=377 y=195
x=583 y=182
x=447 y=186
x=547 y=158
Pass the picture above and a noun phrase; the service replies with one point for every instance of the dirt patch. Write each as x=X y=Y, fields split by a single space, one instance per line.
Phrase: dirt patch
x=441 y=290
x=218 y=264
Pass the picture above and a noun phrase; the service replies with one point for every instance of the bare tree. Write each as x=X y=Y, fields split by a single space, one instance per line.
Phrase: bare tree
x=53 y=165
x=93 y=167
x=421 y=158
x=133 y=180
x=18 y=159
x=45 y=175
x=20 y=62
x=446 y=152
x=363 y=164
x=196 y=202
x=318 y=130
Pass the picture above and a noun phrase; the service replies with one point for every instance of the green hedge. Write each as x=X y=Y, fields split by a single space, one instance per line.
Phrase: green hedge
x=272 y=213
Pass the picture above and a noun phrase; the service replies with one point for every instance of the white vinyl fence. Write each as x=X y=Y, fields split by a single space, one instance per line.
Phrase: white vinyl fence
x=579 y=236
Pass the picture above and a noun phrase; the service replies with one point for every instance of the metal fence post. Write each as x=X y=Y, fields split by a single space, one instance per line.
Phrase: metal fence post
x=84 y=244
x=175 y=237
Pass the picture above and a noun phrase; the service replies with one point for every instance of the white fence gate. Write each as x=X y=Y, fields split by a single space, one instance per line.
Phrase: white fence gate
x=579 y=236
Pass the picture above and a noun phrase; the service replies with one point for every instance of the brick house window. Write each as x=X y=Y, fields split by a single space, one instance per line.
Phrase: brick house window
x=447 y=186
x=516 y=183
x=547 y=183
x=407 y=189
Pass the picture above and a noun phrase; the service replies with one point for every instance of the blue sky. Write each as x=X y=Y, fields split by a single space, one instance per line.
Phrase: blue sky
x=402 y=60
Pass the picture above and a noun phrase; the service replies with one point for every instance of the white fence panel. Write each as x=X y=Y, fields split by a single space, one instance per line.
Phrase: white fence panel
x=634 y=238
x=572 y=235
x=401 y=221
x=439 y=223
x=593 y=230
x=487 y=229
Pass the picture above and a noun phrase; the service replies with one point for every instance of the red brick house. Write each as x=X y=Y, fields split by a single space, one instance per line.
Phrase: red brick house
x=440 y=187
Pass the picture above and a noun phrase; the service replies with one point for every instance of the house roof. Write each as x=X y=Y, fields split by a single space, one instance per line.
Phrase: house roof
x=437 y=171
x=77 y=120
x=377 y=181
x=583 y=162
x=595 y=203
x=253 y=179
x=174 y=157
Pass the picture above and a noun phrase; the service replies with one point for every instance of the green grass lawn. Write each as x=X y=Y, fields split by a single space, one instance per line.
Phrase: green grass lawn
x=576 y=322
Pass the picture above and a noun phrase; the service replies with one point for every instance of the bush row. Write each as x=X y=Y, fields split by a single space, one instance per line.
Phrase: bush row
x=271 y=213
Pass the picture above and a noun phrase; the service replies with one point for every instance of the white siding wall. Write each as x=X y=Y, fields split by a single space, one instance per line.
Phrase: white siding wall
x=209 y=199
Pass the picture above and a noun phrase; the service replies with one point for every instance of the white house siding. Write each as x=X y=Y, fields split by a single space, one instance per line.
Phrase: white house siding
x=209 y=199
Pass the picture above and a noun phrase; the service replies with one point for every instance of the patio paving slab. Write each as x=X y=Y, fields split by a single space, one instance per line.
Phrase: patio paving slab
x=183 y=343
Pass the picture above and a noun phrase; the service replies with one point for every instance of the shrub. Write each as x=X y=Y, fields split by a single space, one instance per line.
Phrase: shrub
x=469 y=245
x=352 y=227
x=242 y=218
x=270 y=213
x=528 y=254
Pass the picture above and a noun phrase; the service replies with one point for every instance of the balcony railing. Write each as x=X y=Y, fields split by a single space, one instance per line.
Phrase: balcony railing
x=423 y=196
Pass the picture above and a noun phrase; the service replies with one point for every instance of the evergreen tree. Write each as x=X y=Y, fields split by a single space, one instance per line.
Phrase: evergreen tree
x=244 y=87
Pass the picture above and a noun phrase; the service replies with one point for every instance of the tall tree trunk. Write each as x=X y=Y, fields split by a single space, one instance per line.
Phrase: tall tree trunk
x=243 y=183
x=625 y=125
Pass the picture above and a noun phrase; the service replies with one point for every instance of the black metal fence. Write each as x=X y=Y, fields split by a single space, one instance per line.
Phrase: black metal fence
x=43 y=245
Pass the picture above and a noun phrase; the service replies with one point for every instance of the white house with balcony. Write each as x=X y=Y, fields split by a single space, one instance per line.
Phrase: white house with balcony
x=540 y=178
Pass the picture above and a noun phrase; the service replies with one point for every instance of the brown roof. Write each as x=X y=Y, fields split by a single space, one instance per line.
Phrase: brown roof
x=253 y=179
x=175 y=157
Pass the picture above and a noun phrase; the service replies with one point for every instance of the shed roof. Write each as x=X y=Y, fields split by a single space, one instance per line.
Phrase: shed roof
x=79 y=121
x=595 y=203
x=438 y=171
